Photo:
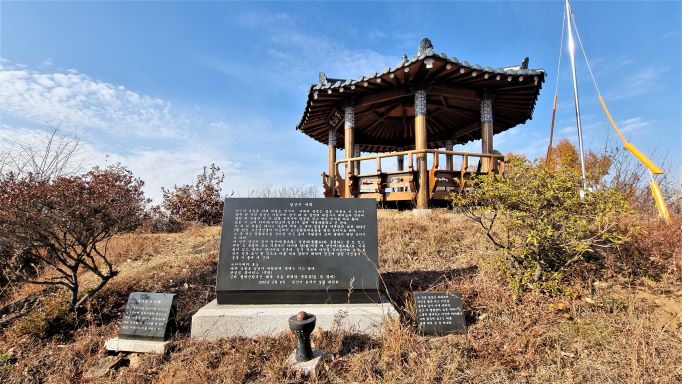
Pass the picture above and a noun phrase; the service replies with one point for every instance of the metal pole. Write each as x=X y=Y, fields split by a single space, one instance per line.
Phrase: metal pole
x=571 y=51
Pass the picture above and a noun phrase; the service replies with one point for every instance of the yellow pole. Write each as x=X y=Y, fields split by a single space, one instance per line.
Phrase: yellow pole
x=636 y=152
x=653 y=168
x=658 y=197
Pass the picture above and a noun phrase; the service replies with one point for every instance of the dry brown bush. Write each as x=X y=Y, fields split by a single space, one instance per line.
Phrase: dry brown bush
x=63 y=225
x=200 y=202
x=655 y=248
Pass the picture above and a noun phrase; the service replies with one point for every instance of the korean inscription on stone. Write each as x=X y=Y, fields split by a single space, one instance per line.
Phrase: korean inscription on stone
x=299 y=245
x=439 y=313
x=148 y=316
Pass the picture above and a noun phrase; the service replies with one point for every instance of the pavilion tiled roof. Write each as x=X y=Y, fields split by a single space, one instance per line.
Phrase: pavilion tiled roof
x=384 y=102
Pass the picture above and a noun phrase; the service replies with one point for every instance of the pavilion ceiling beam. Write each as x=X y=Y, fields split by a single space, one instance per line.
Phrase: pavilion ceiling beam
x=459 y=92
x=468 y=130
x=413 y=70
x=380 y=118
x=456 y=110
x=390 y=79
x=449 y=70
x=389 y=95
x=439 y=128
x=434 y=71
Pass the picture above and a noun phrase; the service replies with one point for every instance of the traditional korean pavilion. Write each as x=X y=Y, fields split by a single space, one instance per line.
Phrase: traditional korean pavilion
x=417 y=112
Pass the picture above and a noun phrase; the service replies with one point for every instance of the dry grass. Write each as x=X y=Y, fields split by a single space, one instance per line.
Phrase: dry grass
x=607 y=333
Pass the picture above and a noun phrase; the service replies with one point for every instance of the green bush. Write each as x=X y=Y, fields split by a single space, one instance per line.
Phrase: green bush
x=540 y=221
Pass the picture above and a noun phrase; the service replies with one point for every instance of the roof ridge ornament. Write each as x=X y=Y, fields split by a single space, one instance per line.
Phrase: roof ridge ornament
x=524 y=63
x=404 y=60
x=425 y=47
x=323 y=79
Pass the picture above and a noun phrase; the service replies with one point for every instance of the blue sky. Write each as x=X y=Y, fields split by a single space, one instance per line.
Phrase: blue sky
x=167 y=87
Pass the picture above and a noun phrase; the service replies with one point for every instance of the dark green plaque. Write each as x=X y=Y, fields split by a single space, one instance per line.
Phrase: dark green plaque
x=148 y=316
x=298 y=251
x=439 y=313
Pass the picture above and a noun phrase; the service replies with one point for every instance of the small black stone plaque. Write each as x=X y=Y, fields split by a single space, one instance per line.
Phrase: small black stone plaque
x=298 y=251
x=148 y=316
x=439 y=313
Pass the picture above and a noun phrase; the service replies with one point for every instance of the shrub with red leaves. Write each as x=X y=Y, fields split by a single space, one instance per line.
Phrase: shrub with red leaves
x=64 y=224
x=201 y=202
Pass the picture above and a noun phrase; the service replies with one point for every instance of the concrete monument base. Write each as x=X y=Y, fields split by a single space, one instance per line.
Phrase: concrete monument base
x=305 y=367
x=215 y=321
x=141 y=346
x=421 y=211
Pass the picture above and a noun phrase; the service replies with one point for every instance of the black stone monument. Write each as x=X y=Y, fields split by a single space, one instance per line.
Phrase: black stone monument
x=439 y=313
x=298 y=251
x=148 y=316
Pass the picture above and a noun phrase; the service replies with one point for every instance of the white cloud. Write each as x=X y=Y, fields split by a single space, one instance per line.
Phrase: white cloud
x=640 y=82
x=634 y=124
x=46 y=62
x=294 y=56
x=85 y=103
x=568 y=129
x=157 y=167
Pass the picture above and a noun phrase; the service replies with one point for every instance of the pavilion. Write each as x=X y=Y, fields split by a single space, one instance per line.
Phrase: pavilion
x=418 y=110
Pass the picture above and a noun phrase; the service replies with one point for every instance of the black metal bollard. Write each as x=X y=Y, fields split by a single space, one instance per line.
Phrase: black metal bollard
x=302 y=324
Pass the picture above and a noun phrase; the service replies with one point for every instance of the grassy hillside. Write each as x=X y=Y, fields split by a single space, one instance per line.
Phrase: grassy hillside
x=609 y=329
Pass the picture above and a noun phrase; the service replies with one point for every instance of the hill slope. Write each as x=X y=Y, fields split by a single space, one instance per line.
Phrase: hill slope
x=606 y=332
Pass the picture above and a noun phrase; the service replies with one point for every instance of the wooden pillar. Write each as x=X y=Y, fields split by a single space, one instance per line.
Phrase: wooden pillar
x=449 y=146
x=357 y=153
x=400 y=164
x=349 y=125
x=332 y=159
x=420 y=143
x=486 y=129
x=400 y=160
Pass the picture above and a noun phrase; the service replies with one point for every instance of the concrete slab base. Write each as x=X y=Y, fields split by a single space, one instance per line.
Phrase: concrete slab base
x=215 y=321
x=141 y=346
x=305 y=367
x=421 y=211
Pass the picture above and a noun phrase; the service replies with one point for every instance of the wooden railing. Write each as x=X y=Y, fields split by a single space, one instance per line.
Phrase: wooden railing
x=404 y=184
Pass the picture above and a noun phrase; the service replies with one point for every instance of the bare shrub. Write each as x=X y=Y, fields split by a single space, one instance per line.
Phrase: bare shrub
x=201 y=202
x=158 y=220
x=654 y=249
x=630 y=177
x=288 y=191
x=66 y=223
x=54 y=154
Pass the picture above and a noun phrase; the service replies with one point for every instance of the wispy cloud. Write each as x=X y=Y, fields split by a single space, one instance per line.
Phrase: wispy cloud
x=635 y=124
x=146 y=134
x=84 y=102
x=608 y=64
x=299 y=54
x=637 y=83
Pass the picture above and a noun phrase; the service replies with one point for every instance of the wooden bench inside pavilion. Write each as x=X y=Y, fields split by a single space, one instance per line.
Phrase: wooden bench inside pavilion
x=407 y=119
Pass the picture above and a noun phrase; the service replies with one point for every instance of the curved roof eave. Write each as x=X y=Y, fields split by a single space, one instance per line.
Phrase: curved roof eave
x=339 y=86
